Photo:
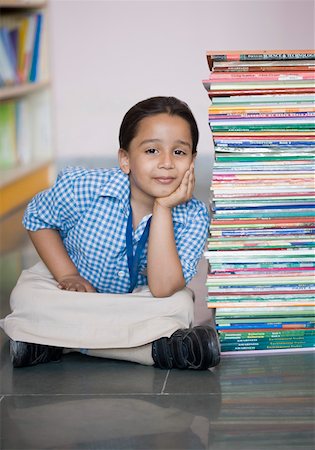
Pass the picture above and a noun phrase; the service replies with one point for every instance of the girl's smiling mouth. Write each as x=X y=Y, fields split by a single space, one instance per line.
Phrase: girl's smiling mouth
x=164 y=180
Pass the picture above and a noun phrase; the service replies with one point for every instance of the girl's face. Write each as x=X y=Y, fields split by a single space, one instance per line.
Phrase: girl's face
x=158 y=156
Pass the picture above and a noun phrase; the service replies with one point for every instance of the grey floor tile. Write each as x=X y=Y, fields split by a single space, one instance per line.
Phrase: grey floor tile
x=72 y=422
x=193 y=382
x=79 y=374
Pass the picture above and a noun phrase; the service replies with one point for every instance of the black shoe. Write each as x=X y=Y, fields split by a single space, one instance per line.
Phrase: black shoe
x=192 y=348
x=27 y=354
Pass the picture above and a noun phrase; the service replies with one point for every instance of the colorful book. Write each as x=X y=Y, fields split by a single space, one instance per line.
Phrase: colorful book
x=8 y=157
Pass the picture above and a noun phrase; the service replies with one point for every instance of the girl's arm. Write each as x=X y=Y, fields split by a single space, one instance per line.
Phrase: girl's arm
x=50 y=248
x=165 y=274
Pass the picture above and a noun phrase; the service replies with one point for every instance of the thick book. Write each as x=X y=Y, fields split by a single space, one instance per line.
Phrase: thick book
x=266 y=312
x=258 y=55
x=263 y=66
x=252 y=115
x=228 y=85
x=262 y=91
x=266 y=100
x=289 y=75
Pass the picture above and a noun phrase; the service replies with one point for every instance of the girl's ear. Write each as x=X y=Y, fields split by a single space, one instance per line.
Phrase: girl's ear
x=123 y=158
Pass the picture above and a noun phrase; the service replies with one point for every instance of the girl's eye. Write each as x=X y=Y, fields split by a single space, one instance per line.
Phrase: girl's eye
x=151 y=151
x=179 y=152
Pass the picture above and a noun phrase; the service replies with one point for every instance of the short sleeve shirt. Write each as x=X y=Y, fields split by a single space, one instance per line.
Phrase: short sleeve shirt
x=90 y=210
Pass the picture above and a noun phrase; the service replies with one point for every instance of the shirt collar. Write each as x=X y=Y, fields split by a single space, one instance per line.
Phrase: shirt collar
x=118 y=186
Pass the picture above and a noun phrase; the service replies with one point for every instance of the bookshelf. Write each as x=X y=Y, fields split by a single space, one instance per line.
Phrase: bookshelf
x=26 y=156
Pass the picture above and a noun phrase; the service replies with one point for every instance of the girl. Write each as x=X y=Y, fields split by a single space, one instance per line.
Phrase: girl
x=118 y=248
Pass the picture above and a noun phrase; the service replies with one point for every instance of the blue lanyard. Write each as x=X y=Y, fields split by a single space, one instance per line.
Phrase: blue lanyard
x=134 y=259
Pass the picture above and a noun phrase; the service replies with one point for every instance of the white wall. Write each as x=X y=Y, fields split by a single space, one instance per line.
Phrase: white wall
x=107 y=55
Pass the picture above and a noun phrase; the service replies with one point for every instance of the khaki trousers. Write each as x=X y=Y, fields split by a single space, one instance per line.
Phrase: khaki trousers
x=44 y=314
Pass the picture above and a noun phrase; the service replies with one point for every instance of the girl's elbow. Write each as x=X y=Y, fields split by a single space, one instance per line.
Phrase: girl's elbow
x=165 y=291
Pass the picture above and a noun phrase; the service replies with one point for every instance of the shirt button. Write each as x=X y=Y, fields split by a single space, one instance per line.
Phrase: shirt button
x=121 y=274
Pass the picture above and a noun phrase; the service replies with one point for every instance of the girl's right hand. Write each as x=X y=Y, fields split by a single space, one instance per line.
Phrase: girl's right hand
x=183 y=193
x=75 y=283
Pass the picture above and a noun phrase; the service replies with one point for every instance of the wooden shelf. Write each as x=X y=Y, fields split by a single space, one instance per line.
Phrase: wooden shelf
x=22 y=183
x=23 y=3
x=12 y=232
x=8 y=176
x=9 y=92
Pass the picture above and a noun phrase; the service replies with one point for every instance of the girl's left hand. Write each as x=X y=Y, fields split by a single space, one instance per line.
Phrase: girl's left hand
x=75 y=283
x=183 y=193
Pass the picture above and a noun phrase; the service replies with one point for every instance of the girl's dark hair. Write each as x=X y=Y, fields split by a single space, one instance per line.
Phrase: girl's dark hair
x=151 y=107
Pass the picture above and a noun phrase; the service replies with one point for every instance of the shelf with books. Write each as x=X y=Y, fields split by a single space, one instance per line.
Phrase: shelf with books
x=260 y=246
x=26 y=154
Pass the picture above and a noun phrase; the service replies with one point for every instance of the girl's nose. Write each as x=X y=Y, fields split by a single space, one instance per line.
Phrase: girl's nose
x=166 y=161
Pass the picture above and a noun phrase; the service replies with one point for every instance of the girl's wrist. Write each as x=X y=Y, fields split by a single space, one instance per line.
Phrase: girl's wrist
x=158 y=205
x=67 y=275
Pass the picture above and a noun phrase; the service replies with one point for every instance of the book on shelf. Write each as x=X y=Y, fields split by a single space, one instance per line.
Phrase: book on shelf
x=8 y=73
x=8 y=155
x=24 y=130
x=36 y=51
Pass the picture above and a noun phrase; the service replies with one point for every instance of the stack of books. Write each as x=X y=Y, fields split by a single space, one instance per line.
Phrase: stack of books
x=261 y=247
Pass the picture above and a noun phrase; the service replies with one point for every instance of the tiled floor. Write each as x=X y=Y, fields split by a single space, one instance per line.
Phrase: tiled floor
x=254 y=403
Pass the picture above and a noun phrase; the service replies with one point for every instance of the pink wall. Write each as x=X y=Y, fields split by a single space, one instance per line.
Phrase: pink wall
x=107 y=55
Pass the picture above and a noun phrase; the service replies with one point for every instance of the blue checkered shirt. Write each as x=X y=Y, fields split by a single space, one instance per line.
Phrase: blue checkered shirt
x=90 y=209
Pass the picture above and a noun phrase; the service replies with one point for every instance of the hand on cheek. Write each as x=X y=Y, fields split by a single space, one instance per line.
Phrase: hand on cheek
x=183 y=193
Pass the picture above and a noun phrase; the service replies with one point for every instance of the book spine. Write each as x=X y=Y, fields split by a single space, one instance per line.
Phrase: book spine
x=264 y=115
x=225 y=347
x=35 y=57
x=219 y=67
x=289 y=75
x=236 y=327
x=262 y=56
x=267 y=333
x=263 y=91
x=8 y=157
